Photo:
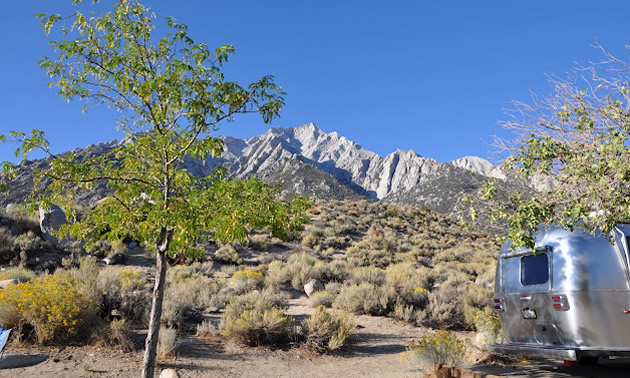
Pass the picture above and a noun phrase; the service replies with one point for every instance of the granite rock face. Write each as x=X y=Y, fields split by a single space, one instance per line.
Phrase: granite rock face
x=50 y=221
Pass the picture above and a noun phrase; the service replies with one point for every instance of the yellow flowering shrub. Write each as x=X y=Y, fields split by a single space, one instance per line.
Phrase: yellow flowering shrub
x=131 y=280
x=488 y=328
x=443 y=347
x=243 y=281
x=50 y=304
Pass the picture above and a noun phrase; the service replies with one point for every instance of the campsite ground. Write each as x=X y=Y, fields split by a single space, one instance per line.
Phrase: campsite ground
x=374 y=351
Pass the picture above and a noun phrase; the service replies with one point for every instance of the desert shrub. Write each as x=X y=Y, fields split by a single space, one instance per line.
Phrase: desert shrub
x=17 y=273
x=206 y=328
x=254 y=300
x=52 y=305
x=377 y=248
x=336 y=270
x=296 y=272
x=326 y=330
x=101 y=249
x=418 y=297
x=444 y=347
x=123 y=299
x=405 y=277
x=322 y=298
x=167 y=343
x=189 y=297
x=368 y=274
x=131 y=280
x=446 y=308
x=488 y=328
x=246 y=280
x=261 y=327
x=8 y=247
x=403 y=311
x=365 y=298
x=30 y=242
x=116 y=335
x=228 y=254
x=260 y=242
x=333 y=287
x=312 y=239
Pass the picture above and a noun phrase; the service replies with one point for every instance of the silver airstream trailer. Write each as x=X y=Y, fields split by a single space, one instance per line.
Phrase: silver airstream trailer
x=570 y=300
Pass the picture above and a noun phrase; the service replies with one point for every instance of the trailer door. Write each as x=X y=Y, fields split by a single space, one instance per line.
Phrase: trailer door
x=528 y=316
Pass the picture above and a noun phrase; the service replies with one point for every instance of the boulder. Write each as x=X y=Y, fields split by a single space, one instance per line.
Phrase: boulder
x=312 y=286
x=5 y=283
x=132 y=245
x=169 y=373
x=116 y=258
x=51 y=220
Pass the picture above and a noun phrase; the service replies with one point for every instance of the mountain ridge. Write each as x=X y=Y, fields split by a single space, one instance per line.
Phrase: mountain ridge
x=306 y=160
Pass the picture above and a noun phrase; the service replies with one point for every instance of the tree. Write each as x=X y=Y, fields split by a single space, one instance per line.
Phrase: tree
x=578 y=141
x=172 y=95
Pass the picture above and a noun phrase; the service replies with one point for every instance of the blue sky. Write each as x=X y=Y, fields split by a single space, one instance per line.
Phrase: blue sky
x=432 y=76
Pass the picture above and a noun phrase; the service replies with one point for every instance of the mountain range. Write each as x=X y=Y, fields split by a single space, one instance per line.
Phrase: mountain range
x=306 y=160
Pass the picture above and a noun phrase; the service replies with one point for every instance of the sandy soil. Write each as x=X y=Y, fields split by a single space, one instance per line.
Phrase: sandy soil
x=374 y=351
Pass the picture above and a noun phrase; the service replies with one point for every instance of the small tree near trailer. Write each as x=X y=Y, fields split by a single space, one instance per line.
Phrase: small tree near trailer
x=578 y=141
x=173 y=95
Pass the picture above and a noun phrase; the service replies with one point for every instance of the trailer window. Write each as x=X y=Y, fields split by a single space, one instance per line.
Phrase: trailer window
x=534 y=269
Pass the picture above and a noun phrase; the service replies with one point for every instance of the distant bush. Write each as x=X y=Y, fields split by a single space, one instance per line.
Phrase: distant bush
x=260 y=242
x=322 y=298
x=369 y=274
x=131 y=280
x=243 y=281
x=228 y=254
x=206 y=329
x=167 y=343
x=256 y=318
x=186 y=298
x=115 y=335
x=444 y=347
x=365 y=298
x=261 y=327
x=312 y=239
x=326 y=330
x=17 y=273
x=296 y=272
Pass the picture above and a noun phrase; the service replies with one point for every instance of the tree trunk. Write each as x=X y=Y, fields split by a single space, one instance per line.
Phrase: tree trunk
x=150 y=349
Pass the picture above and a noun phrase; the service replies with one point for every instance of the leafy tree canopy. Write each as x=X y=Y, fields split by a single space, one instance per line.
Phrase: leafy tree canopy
x=172 y=96
x=577 y=143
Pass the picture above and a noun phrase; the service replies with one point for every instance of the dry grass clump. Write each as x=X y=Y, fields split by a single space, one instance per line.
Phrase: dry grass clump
x=326 y=330
x=115 y=335
x=256 y=318
x=206 y=329
x=260 y=242
x=243 y=281
x=167 y=343
x=228 y=254
x=322 y=298
x=17 y=273
x=365 y=298
x=294 y=273
x=188 y=297
x=119 y=293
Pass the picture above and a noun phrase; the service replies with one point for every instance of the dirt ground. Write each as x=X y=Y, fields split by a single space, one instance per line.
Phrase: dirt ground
x=373 y=351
